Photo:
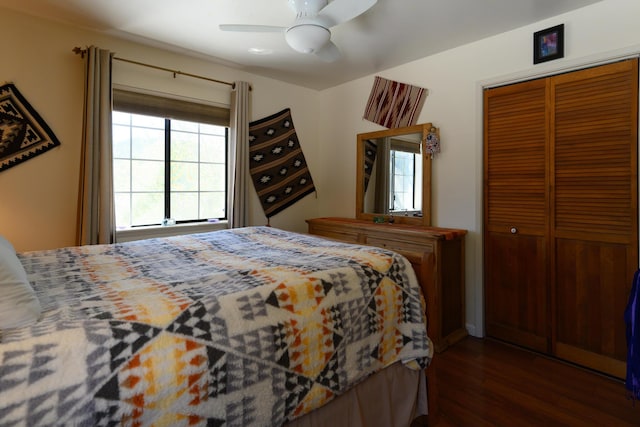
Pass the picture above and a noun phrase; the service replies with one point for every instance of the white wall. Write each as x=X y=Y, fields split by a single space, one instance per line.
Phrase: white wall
x=455 y=79
x=38 y=198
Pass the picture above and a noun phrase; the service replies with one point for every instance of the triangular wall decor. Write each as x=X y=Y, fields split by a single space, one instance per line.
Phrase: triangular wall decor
x=23 y=133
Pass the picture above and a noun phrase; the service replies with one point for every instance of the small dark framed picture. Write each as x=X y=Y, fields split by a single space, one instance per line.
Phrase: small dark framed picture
x=548 y=44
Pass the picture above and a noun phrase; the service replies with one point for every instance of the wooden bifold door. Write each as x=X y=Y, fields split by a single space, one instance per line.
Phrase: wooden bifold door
x=561 y=213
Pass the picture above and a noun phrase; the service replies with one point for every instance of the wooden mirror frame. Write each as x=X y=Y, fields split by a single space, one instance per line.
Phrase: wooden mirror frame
x=425 y=220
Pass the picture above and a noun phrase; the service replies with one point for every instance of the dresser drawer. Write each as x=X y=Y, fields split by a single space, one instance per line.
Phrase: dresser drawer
x=338 y=234
x=399 y=245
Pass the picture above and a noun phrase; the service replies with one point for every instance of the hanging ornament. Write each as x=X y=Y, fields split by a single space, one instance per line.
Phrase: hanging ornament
x=432 y=142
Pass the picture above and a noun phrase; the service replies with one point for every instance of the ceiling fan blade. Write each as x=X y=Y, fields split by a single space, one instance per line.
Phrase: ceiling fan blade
x=329 y=52
x=252 y=28
x=339 y=11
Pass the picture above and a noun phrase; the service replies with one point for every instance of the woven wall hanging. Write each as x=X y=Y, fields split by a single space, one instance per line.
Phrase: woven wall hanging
x=23 y=133
x=277 y=165
x=393 y=104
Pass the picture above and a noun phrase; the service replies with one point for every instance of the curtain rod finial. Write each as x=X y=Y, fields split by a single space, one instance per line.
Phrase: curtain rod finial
x=79 y=51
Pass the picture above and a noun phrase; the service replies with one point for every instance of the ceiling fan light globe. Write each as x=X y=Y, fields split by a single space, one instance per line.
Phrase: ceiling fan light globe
x=307 y=38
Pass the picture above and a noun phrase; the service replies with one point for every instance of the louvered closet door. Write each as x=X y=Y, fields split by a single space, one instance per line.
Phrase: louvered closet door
x=594 y=212
x=516 y=214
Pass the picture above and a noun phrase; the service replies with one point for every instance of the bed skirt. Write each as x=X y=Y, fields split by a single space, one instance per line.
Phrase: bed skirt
x=390 y=398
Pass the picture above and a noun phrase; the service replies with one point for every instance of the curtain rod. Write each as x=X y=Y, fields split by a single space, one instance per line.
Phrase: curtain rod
x=82 y=52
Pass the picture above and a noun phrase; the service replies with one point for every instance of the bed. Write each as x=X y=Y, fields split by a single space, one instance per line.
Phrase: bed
x=243 y=327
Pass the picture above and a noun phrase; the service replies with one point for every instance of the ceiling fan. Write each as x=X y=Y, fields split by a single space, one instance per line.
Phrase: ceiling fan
x=310 y=31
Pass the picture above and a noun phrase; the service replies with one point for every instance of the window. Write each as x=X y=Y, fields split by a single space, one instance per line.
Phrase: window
x=405 y=187
x=167 y=167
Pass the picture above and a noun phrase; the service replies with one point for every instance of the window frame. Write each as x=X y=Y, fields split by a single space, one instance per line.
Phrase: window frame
x=170 y=108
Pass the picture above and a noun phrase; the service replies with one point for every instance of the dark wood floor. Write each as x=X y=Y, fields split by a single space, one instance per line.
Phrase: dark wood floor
x=483 y=382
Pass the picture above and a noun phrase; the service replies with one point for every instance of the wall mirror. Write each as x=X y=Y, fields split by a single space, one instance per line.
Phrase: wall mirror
x=393 y=175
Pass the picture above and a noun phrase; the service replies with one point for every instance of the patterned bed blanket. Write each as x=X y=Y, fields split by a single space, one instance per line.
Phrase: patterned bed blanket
x=251 y=326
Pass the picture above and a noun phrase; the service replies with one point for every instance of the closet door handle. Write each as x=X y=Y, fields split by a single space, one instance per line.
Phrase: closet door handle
x=513 y=230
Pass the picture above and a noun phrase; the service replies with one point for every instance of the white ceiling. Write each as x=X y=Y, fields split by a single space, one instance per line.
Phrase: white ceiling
x=391 y=33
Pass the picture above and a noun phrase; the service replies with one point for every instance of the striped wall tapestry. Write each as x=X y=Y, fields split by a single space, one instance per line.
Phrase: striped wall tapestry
x=393 y=104
x=277 y=165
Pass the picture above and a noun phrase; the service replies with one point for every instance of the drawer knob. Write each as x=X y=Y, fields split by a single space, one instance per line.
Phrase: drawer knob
x=513 y=230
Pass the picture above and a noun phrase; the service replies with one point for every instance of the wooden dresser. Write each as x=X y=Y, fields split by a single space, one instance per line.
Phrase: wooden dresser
x=437 y=256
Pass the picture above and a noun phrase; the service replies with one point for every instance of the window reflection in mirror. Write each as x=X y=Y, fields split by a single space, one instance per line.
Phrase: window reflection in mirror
x=394 y=175
x=397 y=189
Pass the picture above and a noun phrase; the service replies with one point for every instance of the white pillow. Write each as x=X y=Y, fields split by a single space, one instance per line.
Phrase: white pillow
x=4 y=242
x=19 y=305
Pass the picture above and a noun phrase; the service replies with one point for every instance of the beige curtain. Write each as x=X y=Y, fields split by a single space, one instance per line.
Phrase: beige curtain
x=96 y=217
x=239 y=178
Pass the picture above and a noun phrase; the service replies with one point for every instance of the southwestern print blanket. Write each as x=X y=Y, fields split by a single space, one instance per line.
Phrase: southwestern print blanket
x=252 y=326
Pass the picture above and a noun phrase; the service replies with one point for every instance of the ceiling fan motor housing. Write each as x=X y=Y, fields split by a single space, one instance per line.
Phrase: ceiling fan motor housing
x=306 y=8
